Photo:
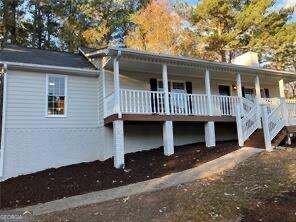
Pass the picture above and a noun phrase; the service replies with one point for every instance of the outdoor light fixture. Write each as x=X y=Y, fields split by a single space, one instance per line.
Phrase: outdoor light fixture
x=234 y=87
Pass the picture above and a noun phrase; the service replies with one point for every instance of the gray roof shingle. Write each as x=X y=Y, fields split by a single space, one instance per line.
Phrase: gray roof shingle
x=12 y=53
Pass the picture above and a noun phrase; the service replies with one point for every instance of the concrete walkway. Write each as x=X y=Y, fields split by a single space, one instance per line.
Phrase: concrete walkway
x=205 y=170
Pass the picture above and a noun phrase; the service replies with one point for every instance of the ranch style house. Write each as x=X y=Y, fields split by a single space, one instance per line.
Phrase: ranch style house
x=62 y=108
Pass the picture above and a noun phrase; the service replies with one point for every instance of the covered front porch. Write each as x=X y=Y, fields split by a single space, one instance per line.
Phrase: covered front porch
x=145 y=87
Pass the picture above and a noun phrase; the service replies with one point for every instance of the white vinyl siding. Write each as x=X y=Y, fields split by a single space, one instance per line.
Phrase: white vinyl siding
x=26 y=102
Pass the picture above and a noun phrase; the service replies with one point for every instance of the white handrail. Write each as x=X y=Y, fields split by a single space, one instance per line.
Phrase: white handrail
x=275 y=121
x=249 y=123
x=291 y=109
x=152 y=102
x=271 y=103
x=224 y=105
x=141 y=101
x=188 y=104
x=246 y=119
x=247 y=105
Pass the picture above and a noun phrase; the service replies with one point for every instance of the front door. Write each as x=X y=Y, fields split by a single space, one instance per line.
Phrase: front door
x=224 y=90
x=224 y=103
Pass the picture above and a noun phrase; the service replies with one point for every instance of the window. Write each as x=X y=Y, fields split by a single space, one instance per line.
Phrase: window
x=264 y=93
x=177 y=87
x=249 y=93
x=56 y=95
x=160 y=85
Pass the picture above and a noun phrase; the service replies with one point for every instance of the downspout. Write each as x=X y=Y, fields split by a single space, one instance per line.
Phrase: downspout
x=3 y=129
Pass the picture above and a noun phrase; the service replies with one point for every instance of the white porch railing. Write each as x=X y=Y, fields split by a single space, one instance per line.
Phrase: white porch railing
x=141 y=102
x=188 y=104
x=247 y=119
x=224 y=105
x=246 y=106
x=152 y=102
x=291 y=109
x=276 y=121
x=273 y=122
x=249 y=123
x=271 y=103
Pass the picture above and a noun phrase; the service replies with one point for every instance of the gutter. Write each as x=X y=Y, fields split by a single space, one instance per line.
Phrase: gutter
x=56 y=69
x=3 y=129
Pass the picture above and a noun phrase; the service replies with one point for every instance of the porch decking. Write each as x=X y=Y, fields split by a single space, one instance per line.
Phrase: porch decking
x=162 y=118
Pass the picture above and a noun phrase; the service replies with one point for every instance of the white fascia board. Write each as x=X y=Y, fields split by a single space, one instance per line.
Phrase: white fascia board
x=163 y=58
x=47 y=68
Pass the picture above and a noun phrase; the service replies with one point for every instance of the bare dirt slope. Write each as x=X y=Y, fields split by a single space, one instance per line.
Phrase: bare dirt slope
x=261 y=189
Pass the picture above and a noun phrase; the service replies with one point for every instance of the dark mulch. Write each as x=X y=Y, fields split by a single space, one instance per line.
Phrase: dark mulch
x=275 y=209
x=82 y=178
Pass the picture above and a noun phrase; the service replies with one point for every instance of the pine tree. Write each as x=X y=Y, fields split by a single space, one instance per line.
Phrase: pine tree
x=11 y=13
x=230 y=27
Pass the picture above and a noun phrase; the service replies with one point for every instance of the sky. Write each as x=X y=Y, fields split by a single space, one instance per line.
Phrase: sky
x=279 y=4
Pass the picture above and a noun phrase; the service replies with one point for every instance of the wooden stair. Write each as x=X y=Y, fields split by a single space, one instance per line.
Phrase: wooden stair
x=279 y=137
x=257 y=138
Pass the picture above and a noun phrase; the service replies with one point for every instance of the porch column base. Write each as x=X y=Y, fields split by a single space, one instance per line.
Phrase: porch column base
x=210 y=136
x=118 y=140
x=288 y=140
x=168 y=138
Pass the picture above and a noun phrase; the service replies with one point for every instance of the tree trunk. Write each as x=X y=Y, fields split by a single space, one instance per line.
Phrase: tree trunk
x=13 y=22
x=222 y=56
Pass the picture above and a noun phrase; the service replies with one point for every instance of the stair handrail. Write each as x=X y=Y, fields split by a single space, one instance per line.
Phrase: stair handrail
x=276 y=121
x=273 y=122
x=246 y=105
x=247 y=123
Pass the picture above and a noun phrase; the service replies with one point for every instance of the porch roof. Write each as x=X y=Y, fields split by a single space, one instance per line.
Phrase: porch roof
x=133 y=60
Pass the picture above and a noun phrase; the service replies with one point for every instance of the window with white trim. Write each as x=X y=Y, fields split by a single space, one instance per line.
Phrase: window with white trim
x=174 y=86
x=56 y=95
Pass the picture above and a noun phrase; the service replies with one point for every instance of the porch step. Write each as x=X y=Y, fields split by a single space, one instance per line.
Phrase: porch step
x=279 y=137
x=257 y=138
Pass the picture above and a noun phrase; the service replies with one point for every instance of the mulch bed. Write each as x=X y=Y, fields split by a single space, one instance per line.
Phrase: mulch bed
x=82 y=178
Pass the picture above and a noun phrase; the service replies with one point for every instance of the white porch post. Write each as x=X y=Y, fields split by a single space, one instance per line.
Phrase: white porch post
x=257 y=87
x=116 y=87
x=258 y=97
x=168 y=134
x=165 y=89
x=118 y=131
x=282 y=88
x=239 y=125
x=118 y=139
x=239 y=91
x=168 y=138
x=210 y=136
x=283 y=101
x=239 y=85
x=267 y=139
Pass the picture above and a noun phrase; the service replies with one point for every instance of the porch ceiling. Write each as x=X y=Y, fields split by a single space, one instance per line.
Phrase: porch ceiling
x=130 y=66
